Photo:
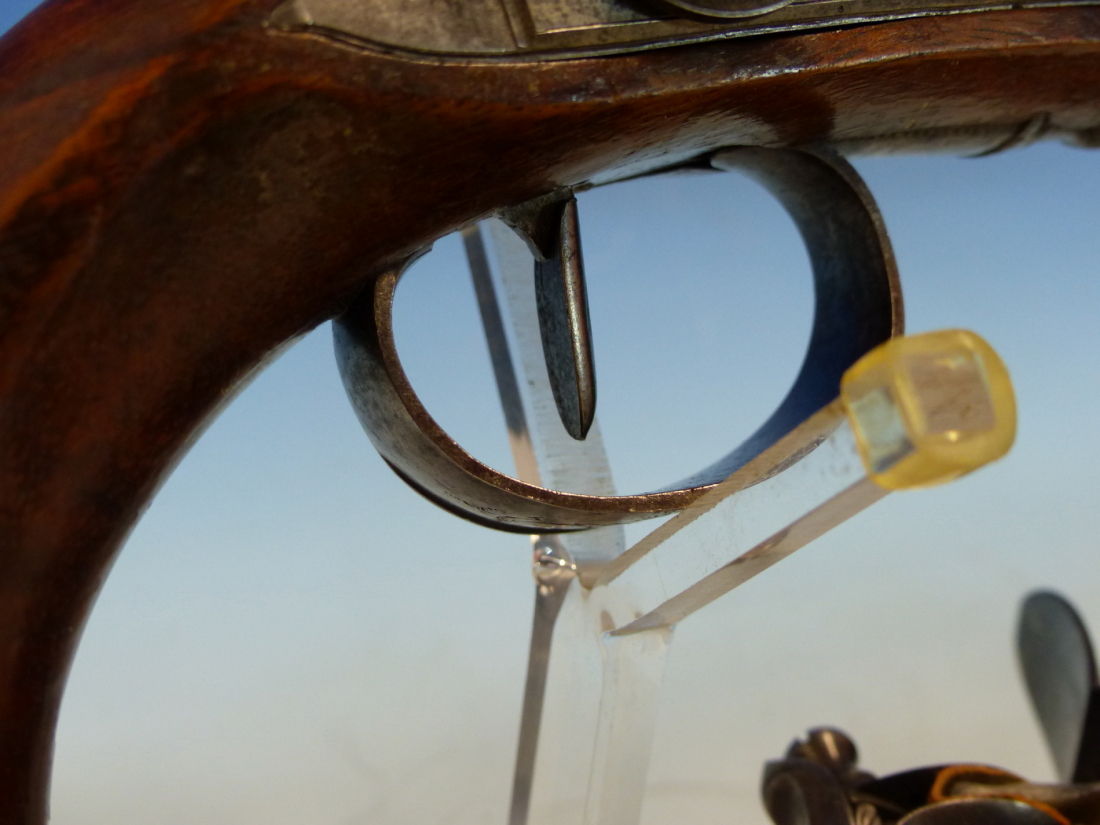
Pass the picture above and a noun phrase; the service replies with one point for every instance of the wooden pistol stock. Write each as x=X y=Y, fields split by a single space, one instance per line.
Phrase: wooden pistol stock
x=189 y=186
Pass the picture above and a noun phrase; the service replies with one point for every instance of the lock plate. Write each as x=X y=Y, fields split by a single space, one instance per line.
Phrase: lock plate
x=556 y=29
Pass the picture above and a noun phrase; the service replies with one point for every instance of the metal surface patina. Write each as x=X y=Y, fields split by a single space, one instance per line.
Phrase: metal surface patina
x=569 y=28
x=858 y=305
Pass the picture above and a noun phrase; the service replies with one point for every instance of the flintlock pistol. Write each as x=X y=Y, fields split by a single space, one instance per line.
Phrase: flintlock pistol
x=190 y=186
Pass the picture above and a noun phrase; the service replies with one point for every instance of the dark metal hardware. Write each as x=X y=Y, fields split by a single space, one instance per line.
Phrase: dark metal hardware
x=811 y=786
x=857 y=306
x=818 y=782
x=555 y=29
x=552 y=231
x=1060 y=672
x=981 y=812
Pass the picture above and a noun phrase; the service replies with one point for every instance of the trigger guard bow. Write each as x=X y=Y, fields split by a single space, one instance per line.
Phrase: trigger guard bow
x=857 y=305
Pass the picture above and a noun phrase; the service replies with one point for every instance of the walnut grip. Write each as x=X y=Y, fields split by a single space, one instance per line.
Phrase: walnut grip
x=186 y=188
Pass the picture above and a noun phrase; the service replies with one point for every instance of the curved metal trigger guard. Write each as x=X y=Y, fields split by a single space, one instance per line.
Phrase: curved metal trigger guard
x=857 y=305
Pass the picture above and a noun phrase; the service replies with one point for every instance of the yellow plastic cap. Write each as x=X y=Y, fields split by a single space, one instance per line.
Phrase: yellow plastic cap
x=929 y=408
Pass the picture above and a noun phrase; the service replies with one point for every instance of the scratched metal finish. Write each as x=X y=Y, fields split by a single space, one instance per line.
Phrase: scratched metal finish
x=571 y=28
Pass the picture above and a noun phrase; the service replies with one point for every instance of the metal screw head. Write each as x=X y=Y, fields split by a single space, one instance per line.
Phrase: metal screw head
x=551 y=564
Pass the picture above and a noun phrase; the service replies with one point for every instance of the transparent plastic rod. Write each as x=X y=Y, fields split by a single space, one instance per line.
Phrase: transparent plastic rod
x=629 y=702
x=601 y=705
x=734 y=533
x=913 y=412
x=563 y=692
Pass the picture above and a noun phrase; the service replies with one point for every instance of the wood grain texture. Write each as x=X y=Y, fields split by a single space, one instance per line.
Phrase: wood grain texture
x=185 y=190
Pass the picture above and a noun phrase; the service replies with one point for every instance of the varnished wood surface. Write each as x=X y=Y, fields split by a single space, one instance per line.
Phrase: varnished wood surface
x=184 y=190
